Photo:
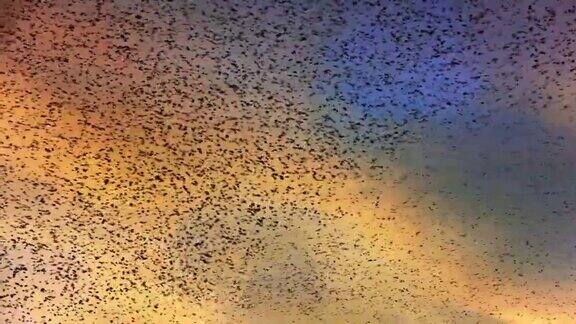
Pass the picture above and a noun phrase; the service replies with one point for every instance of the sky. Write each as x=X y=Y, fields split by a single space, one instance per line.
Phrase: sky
x=287 y=161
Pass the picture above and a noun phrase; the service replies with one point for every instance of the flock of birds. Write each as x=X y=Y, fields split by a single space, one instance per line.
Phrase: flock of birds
x=293 y=161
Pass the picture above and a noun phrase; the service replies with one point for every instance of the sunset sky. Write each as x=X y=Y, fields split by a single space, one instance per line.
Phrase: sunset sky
x=287 y=161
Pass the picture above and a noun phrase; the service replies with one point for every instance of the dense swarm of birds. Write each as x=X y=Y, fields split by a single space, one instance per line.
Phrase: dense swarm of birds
x=287 y=161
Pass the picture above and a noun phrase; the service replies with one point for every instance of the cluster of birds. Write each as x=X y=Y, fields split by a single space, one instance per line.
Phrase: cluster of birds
x=287 y=161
